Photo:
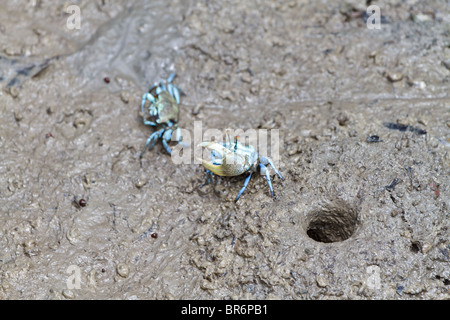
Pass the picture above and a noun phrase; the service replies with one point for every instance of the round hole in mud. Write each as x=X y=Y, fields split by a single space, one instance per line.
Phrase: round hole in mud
x=332 y=223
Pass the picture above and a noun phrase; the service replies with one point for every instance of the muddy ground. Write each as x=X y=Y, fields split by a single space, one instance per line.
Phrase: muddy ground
x=364 y=127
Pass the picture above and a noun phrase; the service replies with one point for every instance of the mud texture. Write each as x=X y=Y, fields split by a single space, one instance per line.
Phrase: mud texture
x=364 y=126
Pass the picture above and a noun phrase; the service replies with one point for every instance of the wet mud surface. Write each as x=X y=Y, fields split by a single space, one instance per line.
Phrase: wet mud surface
x=364 y=127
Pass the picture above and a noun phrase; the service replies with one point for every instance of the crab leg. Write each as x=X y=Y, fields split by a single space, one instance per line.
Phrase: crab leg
x=244 y=187
x=267 y=161
x=178 y=136
x=175 y=93
x=145 y=97
x=266 y=173
x=166 y=138
x=152 y=139
x=209 y=176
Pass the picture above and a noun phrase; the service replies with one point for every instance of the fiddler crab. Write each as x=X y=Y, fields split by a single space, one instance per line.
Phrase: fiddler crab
x=233 y=159
x=162 y=113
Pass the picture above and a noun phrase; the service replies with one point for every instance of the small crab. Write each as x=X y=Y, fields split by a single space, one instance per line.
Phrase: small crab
x=233 y=159
x=162 y=113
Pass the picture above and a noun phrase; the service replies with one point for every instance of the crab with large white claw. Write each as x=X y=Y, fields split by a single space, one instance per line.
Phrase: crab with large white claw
x=233 y=159
x=162 y=113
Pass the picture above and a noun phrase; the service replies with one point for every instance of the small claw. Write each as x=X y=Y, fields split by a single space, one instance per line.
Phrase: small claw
x=167 y=147
x=267 y=161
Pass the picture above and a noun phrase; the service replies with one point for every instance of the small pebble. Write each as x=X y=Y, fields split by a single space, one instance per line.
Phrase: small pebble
x=421 y=17
x=68 y=294
x=292 y=149
x=30 y=248
x=123 y=270
x=246 y=78
x=372 y=139
x=446 y=63
x=422 y=121
x=140 y=183
x=227 y=95
x=198 y=108
x=352 y=133
x=82 y=203
x=73 y=234
x=79 y=122
x=321 y=281
x=206 y=285
x=124 y=96
x=13 y=92
x=400 y=289
x=434 y=143
x=18 y=116
x=227 y=26
x=394 y=76
x=342 y=119
x=426 y=247
x=10 y=51
x=419 y=84
x=50 y=110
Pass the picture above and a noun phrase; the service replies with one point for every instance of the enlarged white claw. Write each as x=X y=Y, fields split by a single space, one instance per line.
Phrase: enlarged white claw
x=233 y=164
x=220 y=149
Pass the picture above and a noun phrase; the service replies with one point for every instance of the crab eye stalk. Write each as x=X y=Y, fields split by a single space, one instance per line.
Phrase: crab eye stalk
x=229 y=137
x=236 y=143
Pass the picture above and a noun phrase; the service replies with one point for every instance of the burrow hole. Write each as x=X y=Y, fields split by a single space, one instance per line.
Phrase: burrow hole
x=332 y=223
